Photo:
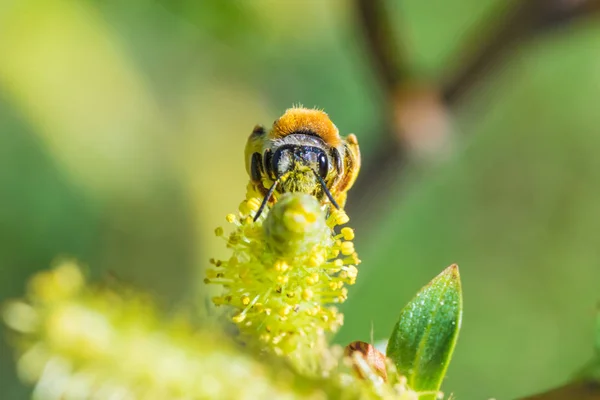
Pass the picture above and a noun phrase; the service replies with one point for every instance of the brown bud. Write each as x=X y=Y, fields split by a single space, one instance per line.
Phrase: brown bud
x=374 y=358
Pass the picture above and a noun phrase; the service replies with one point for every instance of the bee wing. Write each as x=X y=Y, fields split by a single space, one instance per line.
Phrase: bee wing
x=254 y=145
x=351 y=143
x=351 y=168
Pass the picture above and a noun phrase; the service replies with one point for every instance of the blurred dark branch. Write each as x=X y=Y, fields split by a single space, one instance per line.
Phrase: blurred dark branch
x=522 y=20
x=579 y=390
x=381 y=42
x=390 y=65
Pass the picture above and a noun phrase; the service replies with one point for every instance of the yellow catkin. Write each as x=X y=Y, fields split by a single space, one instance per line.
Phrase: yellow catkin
x=77 y=342
x=347 y=233
x=291 y=260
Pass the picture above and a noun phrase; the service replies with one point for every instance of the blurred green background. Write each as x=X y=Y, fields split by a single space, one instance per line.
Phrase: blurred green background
x=122 y=128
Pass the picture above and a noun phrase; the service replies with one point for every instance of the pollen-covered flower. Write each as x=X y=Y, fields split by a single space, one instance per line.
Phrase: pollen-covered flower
x=286 y=273
x=78 y=343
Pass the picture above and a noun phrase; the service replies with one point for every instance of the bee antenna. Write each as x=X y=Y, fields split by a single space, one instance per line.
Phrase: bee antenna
x=266 y=199
x=327 y=192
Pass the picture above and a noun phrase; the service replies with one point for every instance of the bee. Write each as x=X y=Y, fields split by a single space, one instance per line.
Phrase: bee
x=302 y=152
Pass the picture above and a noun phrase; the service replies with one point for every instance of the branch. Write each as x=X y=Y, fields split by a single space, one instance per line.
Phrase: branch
x=524 y=20
x=577 y=390
x=381 y=42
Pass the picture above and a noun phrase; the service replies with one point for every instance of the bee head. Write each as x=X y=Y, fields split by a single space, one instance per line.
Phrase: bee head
x=303 y=152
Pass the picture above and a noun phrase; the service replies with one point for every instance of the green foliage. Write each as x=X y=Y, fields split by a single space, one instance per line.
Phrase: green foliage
x=516 y=207
x=423 y=339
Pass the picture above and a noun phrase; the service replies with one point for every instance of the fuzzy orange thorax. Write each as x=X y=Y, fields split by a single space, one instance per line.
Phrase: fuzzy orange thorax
x=297 y=119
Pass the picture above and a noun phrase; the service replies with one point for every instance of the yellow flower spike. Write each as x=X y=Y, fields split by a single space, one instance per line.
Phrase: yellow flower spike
x=347 y=248
x=287 y=262
x=347 y=233
x=316 y=260
x=280 y=266
x=315 y=277
x=285 y=310
x=351 y=272
x=239 y=317
x=243 y=208
x=265 y=337
x=307 y=294
x=296 y=226
x=254 y=203
x=57 y=284
x=338 y=217
x=21 y=317
x=98 y=344
x=230 y=218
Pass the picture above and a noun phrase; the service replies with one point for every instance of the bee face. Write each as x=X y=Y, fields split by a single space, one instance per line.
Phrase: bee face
x=288 y=158
x=303 y=152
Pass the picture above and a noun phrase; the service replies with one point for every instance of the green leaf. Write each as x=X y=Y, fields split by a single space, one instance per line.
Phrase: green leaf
x=424 y=337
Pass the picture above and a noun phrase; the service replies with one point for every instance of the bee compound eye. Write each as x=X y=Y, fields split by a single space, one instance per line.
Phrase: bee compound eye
x=323 y=165
x=256 y=167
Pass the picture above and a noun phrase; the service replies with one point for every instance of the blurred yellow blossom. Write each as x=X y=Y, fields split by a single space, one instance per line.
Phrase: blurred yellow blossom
x=78 y=343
